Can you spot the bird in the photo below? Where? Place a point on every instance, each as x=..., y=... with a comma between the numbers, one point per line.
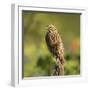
x=55, y=46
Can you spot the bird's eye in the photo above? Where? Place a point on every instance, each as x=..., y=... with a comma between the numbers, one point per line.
x=49, y=27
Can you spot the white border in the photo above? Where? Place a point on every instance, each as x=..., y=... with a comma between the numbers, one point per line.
x=16, y=77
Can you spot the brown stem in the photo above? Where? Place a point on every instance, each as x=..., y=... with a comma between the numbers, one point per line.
x=59, y=69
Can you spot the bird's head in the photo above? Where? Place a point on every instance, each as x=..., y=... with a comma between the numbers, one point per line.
x=51, y=28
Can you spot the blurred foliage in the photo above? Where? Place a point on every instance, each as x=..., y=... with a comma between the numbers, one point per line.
x=37, y=59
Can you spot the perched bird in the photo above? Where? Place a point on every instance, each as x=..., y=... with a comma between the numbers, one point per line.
x=55, y=46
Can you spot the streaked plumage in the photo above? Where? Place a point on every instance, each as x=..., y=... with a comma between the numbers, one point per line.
x=54, y=43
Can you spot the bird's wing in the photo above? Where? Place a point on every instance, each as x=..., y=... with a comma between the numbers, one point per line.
x=53, y=38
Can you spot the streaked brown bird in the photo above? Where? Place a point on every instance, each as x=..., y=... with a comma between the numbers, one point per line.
x=55, y=46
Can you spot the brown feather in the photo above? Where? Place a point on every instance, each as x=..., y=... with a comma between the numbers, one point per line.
x=54, y=43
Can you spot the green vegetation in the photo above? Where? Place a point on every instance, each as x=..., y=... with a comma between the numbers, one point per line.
x=37, y=60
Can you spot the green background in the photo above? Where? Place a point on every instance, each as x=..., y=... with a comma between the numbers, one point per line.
x=37, y=60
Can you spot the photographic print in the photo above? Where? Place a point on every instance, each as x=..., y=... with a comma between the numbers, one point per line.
x=47, y=43
x=50, y=43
